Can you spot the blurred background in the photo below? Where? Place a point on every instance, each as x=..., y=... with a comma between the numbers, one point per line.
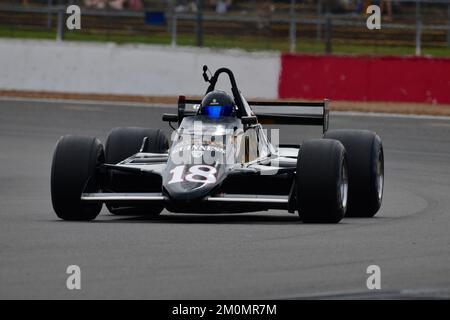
x=409, y=27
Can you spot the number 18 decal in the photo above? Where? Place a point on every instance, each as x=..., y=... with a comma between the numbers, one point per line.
x=206, y=172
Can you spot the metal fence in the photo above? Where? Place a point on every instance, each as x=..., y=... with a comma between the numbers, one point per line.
x=290, y=25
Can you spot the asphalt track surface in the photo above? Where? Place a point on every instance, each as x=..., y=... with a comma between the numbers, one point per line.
x=246, y=256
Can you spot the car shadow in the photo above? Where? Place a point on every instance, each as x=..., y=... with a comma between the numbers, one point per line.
x=205, y=219
x=236, y=218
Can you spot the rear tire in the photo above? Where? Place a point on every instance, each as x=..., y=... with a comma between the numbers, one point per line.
x=122, y=143
x=365, y=170
x=321, y=181
x=74, y=162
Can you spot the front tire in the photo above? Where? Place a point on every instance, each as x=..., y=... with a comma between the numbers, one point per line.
x=365, y=170
x=74, y=162
x=322, y=182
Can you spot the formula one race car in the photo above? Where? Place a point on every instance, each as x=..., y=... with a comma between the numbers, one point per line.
x=221, y=161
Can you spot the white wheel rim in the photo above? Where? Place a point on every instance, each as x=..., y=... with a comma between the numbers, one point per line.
x=343, y=188
x=380, y=176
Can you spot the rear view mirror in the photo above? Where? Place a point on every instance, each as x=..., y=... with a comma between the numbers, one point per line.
x=169, y=117
x=249, y=120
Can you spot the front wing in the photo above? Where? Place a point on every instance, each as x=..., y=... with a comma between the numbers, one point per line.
x=270, y=187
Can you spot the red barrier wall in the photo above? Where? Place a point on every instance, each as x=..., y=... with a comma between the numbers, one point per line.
x=400, y=79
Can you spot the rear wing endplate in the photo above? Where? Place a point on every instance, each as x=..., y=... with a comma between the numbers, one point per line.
x=187, y=107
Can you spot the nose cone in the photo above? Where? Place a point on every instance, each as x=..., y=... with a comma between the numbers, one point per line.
x=192, y=182
x=188, y=191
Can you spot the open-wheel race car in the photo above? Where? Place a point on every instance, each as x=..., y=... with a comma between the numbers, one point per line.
x=221, y=161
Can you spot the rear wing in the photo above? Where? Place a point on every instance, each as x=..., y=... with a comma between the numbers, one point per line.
x=297, y=113
x=273, y=112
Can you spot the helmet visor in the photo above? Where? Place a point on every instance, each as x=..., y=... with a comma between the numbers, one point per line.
x=217, y=111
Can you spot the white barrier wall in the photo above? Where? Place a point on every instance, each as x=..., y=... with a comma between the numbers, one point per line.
x=79, y=67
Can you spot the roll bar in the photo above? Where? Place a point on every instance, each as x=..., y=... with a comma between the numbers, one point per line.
x=234, y=88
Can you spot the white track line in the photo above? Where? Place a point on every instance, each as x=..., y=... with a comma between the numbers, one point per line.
x=142, y=104
x=390, y=115
x=86, y=102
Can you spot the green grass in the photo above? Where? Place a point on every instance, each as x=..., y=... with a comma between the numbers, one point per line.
x=250, y=43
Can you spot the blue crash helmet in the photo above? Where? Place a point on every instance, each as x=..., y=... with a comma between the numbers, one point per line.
x=218, y=104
